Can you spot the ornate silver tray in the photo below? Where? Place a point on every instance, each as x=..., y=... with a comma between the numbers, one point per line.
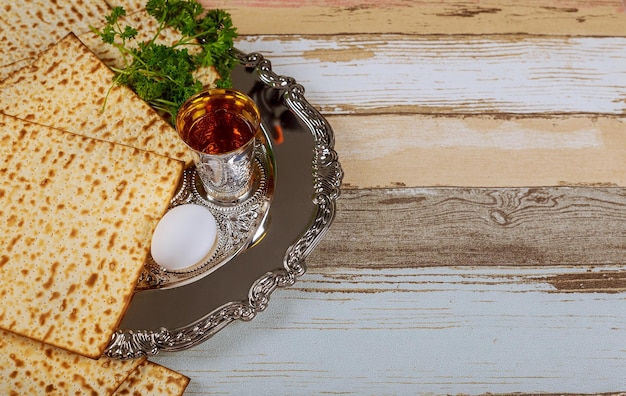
x=301, y=182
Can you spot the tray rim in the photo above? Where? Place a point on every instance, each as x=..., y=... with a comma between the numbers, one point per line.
x=327, y=178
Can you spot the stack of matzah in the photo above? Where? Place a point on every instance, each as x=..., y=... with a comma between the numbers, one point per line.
x=80, y=194
x=28, y=367
x=43, y=23
x=28, y=27
x=77, y=220
x=77, y=215
x=66, y=87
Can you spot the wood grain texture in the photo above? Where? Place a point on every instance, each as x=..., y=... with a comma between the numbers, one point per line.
x=391, y=73
x=392, y=150
x=560, y=17
x=410, y=331
x=417, y=227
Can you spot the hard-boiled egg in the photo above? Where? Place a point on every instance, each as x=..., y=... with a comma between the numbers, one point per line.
x=184, y=236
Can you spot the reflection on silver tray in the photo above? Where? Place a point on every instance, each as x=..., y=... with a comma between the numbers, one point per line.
x=174, y=311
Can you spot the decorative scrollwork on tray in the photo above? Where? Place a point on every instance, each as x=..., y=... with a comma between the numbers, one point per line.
x=132, y=345
x=328, y=175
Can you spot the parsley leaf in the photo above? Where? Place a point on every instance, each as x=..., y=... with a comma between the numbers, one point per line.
x=163, y=75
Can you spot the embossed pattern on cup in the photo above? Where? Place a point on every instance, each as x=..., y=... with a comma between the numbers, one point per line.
x=220, y=126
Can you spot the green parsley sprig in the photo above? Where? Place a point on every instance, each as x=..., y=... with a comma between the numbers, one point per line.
x=162, y=75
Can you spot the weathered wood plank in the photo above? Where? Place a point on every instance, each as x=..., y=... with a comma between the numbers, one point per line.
x=452, y=74
x=389, y=150
x=495, y=75
x=420, y=227
x=418, y=331
x=571, y=17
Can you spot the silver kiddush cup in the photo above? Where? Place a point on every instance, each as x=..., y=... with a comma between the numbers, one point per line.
x=220, y=127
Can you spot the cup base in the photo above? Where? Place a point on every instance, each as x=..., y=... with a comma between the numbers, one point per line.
x=255, y=183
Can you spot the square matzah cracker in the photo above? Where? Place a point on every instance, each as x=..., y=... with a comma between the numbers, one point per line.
x=29, y=367
x=77, y=215
x=66, y=87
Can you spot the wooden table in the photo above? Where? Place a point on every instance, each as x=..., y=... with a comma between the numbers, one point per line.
x=480, y=238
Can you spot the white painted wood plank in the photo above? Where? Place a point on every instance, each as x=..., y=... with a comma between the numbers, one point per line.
x=452, y=74
x=416, y=331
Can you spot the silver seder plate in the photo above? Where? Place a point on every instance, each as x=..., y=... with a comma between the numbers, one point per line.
x=263, y=241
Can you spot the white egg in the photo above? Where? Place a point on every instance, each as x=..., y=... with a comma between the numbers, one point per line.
x=184, y=237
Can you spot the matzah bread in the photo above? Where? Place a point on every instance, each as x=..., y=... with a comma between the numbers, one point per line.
x=77, y=215
x=6, y=70
x=28, y=27
x=129, y=5
x=154, y=380
x=66, y=87
x=29, y=367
